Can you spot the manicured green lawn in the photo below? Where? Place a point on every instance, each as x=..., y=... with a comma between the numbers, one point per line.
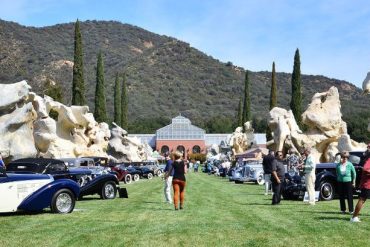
x=217, y=213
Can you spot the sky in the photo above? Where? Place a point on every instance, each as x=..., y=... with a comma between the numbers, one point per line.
x=333, y=36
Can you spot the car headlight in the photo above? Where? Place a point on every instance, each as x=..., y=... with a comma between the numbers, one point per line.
x=252, y=169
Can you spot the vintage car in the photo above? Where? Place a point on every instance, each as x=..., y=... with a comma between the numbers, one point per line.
x=122, y=173
x=106, y=185
x=294, y=186
x=251, y=170
x=34, y=192
x=87, y=163
x=145, y=172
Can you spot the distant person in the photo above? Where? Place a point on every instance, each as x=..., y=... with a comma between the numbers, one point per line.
x=277, y=176
x=309, y=167
x=364, y=185
x=168, y=179
x=196, y=166
x=179, y=180
x=292, y=160
x=346, y=181
x=1, y=161
x=267, y=166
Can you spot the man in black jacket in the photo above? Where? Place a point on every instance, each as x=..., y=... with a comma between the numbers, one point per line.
x=277, y=176
x=267, y=165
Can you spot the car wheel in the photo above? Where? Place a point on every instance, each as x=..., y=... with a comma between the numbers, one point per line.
x=108, y=191
x=136, y=177
x=128, y=179
x=63, y=202
x=326, y=190
x=150, y=175
x=238, y=182
x=159, y=173
x=260, y=179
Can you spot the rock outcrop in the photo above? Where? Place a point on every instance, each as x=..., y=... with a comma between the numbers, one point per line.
x=326, y=133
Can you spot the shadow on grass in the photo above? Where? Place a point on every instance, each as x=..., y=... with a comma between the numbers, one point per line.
x=329, y=212
x=332, y=218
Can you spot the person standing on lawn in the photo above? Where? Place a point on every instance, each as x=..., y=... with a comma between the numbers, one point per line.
x=346, y=179
x=309, y=167
x=267, y=165
x=364, y=186
x=277, y=176
x=179, y=180
x=168, y=179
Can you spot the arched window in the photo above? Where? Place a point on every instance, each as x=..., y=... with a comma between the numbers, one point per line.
x=165, y=150
x=181, y=149
x=196, y=149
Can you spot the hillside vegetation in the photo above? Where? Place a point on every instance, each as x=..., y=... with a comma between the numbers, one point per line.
x=165, y=76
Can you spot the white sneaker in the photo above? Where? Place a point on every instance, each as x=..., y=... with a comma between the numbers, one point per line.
x=355, y=219
x=266, y=194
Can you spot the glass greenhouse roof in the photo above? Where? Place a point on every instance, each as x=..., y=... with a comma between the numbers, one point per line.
x=180, y=129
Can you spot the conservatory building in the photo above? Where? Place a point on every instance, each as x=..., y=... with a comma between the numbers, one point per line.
x=180, y=135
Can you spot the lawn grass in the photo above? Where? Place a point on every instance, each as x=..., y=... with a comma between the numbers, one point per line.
x=217, y=213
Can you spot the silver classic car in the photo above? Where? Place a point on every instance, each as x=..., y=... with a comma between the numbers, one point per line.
x=250, y=170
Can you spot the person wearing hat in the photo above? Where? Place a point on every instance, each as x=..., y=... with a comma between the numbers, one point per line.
x=168, y=180
x=364, y=186
x=179, y=180
x=346, y=179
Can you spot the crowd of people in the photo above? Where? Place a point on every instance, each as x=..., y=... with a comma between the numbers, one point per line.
x=274, y=172
x=275, y=166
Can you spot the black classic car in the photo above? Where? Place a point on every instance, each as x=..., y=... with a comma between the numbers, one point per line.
x=106, y=185
x=294, y=185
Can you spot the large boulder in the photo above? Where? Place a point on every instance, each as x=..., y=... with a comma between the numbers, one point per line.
x=16, y=121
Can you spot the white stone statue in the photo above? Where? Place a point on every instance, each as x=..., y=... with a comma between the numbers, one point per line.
x=366, y=84
x=240, y=141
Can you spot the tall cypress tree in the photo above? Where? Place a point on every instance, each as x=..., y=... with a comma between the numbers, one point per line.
x=247, y=100
x=240, y=113
x=100, y=112
x=78, y=84
x=273, y=96
x=117, y=101
x=124, y=104
x=296, y=101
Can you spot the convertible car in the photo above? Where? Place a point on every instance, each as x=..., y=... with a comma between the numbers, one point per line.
x=105, y=185
x=34, y=192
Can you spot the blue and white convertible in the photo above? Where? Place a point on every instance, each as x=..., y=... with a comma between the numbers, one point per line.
x=34, y=192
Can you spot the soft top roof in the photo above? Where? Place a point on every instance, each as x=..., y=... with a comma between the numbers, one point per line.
x=38, y=161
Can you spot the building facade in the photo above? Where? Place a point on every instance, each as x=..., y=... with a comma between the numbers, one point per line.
x=180, y=135
x=183, y=136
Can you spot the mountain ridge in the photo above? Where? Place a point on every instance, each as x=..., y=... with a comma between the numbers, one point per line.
x=165, y=76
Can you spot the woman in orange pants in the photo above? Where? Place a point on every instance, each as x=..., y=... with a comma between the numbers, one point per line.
x=179, y=180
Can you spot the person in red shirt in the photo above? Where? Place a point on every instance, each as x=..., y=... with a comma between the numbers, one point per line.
x=364, y=186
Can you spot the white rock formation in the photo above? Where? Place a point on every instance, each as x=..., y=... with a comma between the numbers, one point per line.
x=127, y=149
x=366, y=84
x=16, y=120
x=327, y=132
x=27, y=130
x=240, y=141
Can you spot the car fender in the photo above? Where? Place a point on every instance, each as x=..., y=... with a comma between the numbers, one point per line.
x=42, y=197
x=324, y=175
x=96, y=185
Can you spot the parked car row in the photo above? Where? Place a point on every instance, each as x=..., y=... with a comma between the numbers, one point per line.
x=134, y=171
x=35, y=183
